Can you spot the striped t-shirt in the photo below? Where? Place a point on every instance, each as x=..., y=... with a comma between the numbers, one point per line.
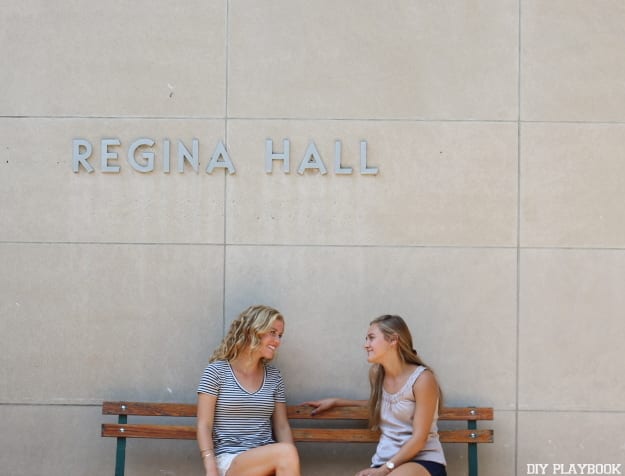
x=242, y=419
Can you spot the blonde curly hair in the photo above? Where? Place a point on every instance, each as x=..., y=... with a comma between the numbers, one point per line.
x=245, y=331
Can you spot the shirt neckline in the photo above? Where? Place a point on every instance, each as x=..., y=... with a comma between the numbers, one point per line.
x=241, y=386
x=403, y=387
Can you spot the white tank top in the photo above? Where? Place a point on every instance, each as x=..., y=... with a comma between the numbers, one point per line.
x=396, y=415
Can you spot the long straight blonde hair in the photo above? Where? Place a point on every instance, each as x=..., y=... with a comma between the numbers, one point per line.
x=245, y=331
x=392, y=326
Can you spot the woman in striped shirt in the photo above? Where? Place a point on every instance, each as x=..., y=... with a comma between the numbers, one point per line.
x=242, y=402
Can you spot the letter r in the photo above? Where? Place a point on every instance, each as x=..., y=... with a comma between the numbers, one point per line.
x=80, y=158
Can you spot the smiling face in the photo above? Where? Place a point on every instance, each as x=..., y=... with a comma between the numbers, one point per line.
x=376, y=345
x=271, y=340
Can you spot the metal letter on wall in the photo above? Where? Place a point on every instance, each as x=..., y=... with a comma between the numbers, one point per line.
x=312, y=160
x=225, y=162
x=364, y=169
x=105, y=156
x=147, y=155
x=80, y=158
x=270, y=156
x=338, y=168
x=192, y=157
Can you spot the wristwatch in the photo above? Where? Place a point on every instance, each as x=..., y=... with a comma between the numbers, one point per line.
x=390, y=465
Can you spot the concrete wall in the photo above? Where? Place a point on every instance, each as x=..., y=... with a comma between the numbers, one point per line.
x=495, y=225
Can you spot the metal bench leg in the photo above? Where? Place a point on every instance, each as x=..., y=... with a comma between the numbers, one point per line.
x=472, y=425
x=120, y=454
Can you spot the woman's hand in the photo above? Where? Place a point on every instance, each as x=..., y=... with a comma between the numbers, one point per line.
x=212, y=472
x=210, y=466
x=321, y=405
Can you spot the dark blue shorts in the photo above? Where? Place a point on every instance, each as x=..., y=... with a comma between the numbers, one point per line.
x=435, y=469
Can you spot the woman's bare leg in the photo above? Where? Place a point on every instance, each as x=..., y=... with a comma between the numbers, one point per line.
x=280, y=459
x=410, y=469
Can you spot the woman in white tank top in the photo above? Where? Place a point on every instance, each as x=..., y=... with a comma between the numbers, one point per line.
x=403, y=405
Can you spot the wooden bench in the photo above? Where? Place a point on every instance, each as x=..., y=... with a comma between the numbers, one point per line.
x=339, y=425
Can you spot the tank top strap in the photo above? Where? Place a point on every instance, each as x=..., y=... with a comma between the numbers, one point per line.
x=413, y=378
x=405, y=392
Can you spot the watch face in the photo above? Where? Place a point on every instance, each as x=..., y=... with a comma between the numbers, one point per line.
x=390, y=465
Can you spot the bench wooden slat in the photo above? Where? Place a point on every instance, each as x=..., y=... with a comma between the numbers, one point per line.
x=465, y=413
x=335, y=435
x=466, y=436
x=303, y=412
x=149, y=409
x=295, y=412
x=362, y=435
x=327, y=435
x=137, y=430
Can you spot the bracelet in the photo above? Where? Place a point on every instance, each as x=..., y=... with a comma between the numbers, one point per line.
x=208, y=451
x=208, y=455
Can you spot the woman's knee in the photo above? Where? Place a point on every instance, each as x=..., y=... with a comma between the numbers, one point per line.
x=288, y=455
